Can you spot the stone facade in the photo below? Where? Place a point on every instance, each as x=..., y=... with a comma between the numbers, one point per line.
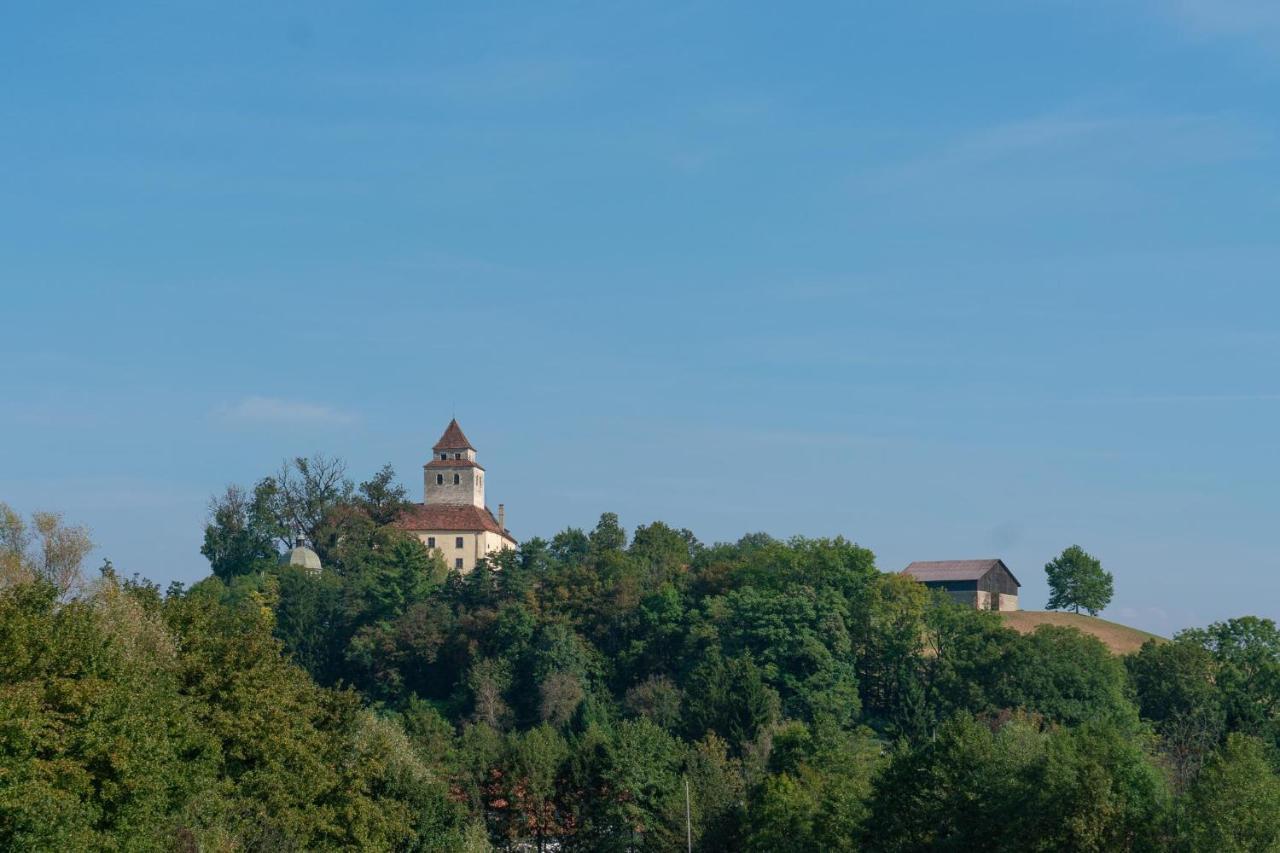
x=984, y=600
x=453, y=477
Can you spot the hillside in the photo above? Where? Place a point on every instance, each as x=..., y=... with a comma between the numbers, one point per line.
x=1121, y=639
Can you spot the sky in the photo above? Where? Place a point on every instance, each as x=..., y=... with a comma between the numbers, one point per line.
x=948, y=279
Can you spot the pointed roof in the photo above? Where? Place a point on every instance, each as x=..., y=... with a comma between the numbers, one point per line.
x=453, y=439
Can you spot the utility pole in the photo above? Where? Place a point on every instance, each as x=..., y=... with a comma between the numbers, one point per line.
x=688, y=820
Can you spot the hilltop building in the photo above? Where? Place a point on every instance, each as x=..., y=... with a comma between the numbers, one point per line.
x=981, y=584
x=453, y=518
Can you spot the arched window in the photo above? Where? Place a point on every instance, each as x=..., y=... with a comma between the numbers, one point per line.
x=457, y=478
x=439, y=479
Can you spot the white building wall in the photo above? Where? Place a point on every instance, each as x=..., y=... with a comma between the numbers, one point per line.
x=475, y=546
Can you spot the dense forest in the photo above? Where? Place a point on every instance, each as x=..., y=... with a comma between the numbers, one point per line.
x=593, y=691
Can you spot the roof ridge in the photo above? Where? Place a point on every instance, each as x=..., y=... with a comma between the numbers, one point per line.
x=441, y=516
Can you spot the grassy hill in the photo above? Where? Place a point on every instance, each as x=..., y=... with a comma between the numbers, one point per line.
x=1121, y=639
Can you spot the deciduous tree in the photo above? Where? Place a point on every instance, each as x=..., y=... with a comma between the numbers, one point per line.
x=1078, y=581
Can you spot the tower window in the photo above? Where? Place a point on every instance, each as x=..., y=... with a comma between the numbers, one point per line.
x=457, y=543
x=444, y=456
x=439, y=479
x=431, y=541
x=457, y=478
x=457, y=456
x=457, y=564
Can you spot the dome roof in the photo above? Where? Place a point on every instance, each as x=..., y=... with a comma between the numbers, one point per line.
x=302, y=557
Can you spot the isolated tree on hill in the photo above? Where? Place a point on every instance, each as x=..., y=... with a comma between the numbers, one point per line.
x=1078, y=581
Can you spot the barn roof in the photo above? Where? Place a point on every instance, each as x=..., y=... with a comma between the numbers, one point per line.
x=954, y=570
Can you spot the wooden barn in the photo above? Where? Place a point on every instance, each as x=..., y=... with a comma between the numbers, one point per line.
x=981, y=584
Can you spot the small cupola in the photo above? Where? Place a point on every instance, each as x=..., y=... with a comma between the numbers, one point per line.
x=301, y=556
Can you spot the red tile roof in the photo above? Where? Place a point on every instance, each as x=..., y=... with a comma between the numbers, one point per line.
x=453, y=439
x=953, y=570
x=450, y=517
x=453, y=463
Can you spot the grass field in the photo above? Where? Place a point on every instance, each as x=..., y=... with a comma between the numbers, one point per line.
x=1121, y=639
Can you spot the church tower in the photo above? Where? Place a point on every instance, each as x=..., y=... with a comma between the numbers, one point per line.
x=453, y=476
x=452, y=519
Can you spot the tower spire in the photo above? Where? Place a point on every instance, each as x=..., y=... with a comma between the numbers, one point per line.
x=453, y=476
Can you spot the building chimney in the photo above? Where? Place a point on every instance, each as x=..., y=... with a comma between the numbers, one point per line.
x=502, y=517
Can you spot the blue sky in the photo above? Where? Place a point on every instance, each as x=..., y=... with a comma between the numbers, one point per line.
x=949, y=279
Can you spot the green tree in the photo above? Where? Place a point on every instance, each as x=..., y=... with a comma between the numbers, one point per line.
x=241, y=535
x=309, y=620
x=730, y=699
x=381, y=497
x=97, y=747
x=1177, y=690
x=570, y=545
x=1234, y=804
x=631, y=792
x=1015, y=786
x=801, y=642
x=888, y=634
x=608, y=535
x=816, y=796
x=717, y=793
x=1246, y=652
x=1078, y=581
x=1066, y=675
x=527, y=788
x=782, y=816
x=667, y=552
x=298, y=766
x=303, y=494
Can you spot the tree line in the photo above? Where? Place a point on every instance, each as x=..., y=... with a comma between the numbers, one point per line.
x=562, y=696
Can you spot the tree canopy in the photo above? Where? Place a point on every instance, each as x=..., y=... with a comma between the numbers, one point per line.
x=1078, y=581
x=562, y=695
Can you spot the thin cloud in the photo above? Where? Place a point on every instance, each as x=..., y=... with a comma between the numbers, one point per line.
x=1213, y=18
x=499, y=79
x=1088, y=142
x=1258, y=397
x=276, y=411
